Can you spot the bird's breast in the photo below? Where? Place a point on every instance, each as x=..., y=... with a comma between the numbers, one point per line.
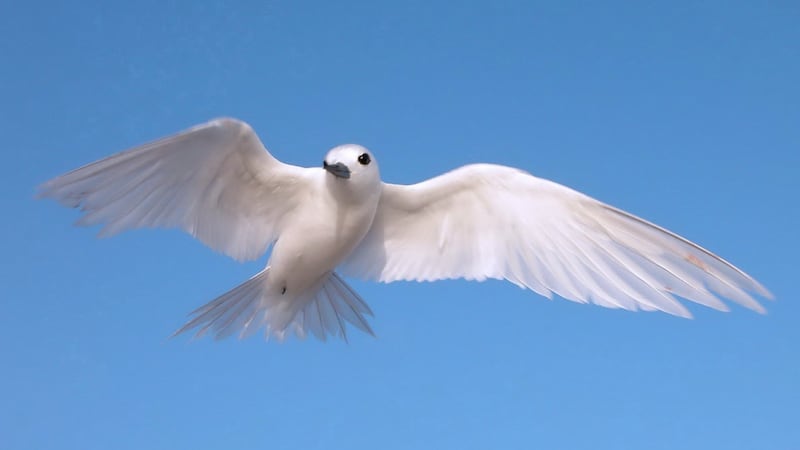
x=316, y=239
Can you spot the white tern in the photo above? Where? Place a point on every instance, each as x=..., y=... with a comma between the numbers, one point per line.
x=219, y=183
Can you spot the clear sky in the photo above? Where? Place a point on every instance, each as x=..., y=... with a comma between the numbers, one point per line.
x=686, y=113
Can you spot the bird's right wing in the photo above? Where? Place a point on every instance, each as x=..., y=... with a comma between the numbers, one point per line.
x=486, y=221
x=216, y=181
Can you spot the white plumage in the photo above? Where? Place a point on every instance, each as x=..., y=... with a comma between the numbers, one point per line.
x=217, y=182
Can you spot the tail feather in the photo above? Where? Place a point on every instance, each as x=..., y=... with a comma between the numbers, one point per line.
x=353, y=308
x=323, y=310
x=335, y=304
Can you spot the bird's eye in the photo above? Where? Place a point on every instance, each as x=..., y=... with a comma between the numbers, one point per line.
x=364, y=159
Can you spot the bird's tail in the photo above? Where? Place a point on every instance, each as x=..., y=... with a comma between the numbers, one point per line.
x=247, y=308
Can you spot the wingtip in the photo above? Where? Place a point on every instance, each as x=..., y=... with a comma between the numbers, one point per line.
x=764, y=292
x=759, y=308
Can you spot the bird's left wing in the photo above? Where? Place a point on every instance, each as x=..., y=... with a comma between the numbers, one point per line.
x=487, y=221
x=216, y=181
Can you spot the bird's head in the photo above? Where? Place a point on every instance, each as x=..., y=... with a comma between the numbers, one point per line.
x=352, y=164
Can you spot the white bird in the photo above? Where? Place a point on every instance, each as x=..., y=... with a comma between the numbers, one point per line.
x=217, y=182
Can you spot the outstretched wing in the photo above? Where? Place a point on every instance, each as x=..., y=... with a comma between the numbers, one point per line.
x=486, y=221
x=216, y=181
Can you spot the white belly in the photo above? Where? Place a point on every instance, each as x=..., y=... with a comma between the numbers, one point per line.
x=316, y=239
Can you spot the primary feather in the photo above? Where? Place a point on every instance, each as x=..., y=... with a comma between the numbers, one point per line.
x=487, y=221
x=216, y=181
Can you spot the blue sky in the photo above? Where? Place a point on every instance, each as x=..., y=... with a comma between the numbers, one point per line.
x=685, y=113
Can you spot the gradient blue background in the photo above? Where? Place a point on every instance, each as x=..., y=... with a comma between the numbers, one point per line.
x=685, y=113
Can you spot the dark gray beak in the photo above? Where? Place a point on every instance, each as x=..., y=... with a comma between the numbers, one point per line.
x=338, y=170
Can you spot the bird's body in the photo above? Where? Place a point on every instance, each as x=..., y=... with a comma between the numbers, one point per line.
x=320, y=232
x=218, y=182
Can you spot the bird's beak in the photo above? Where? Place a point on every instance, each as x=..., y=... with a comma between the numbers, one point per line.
x=338, y=170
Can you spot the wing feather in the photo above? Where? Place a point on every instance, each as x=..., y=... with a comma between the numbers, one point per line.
x=486, y=221
x=216, y=181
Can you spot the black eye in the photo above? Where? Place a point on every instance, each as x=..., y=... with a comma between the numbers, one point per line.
x=364, y=159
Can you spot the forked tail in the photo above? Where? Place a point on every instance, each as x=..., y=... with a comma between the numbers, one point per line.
x=249, y=307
